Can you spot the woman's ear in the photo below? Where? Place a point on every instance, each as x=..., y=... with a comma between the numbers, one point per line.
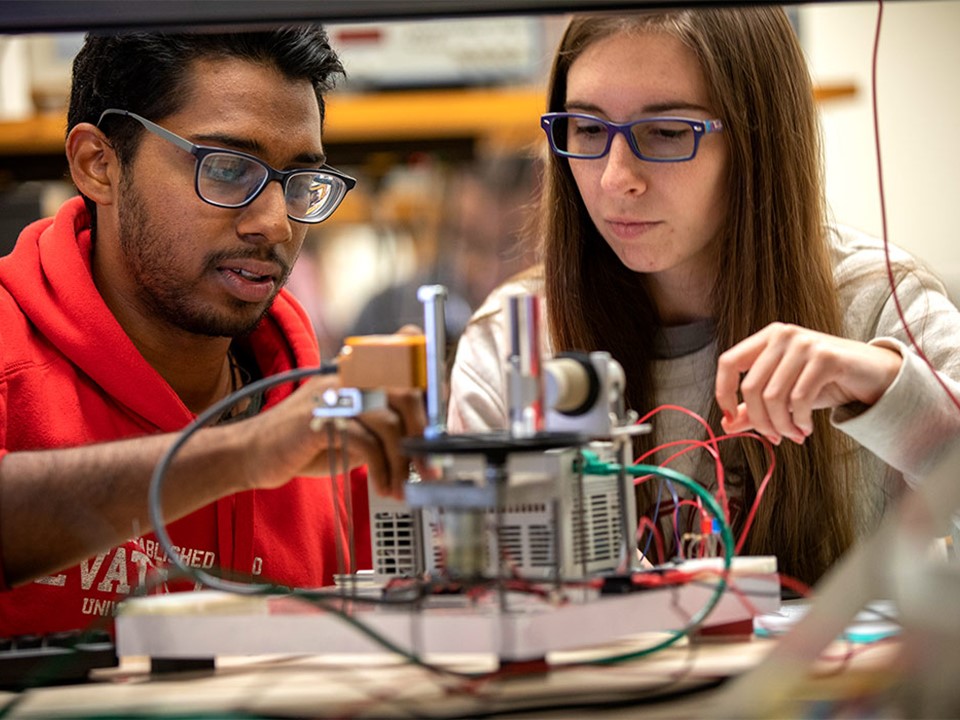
x=94, y=165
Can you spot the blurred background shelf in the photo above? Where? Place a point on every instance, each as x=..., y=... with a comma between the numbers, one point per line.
x=438, y=121
x=500, y=114
x=445, y=176
x=505, y=117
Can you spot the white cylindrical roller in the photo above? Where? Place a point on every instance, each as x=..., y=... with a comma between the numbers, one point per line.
x=568, y=384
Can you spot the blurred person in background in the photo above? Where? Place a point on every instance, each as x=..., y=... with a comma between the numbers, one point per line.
x=483, y=211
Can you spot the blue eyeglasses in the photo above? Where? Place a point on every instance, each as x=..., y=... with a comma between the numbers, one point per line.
x=232, y=179
x=658, y=139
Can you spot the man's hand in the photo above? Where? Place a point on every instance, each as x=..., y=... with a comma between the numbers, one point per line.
x=284, y=445
x=785, y=372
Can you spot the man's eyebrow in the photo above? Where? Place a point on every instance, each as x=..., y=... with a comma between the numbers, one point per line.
x=668, y=106
x=255, y=148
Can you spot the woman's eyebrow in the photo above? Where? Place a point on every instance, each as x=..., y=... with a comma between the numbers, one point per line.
x=651, y=109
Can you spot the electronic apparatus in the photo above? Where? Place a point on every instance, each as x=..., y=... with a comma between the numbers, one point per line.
x=525, y=544
x=885, y=564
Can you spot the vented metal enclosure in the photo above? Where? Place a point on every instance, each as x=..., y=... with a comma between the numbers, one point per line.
x=551, y=520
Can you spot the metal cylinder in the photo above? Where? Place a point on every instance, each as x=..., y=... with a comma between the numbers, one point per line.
x=465, y=542
x=434, y=298
x=524, y=381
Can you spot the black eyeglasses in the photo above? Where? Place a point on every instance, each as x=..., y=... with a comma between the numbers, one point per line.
x=657, y=139
x=232, y=179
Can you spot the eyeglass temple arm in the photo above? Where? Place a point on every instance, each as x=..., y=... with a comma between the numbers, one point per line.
x=710, y=126
x=152, y=127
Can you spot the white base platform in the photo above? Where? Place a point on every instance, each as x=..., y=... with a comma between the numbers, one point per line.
x=210, y=624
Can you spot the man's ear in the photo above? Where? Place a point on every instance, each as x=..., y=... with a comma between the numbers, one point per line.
x=94, y=165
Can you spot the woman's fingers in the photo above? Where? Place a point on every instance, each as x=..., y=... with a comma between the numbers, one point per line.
x=773, y=380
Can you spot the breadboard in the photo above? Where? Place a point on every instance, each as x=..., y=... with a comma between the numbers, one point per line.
x=209, y=624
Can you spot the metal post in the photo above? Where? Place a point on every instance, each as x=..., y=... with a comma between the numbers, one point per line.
x=433, y=298
x=525, y=387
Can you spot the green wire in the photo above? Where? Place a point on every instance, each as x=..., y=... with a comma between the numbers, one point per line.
x=593, y=466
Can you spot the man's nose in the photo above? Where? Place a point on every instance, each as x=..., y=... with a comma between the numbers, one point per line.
x=266, y=217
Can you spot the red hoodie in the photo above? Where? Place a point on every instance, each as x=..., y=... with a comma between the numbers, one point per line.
x=69, y=376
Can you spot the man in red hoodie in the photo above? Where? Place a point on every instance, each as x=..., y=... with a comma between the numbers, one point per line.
x=152, y=296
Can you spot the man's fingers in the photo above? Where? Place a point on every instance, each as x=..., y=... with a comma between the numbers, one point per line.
x=375, y=437
x=409, y=406
x=385, y=431
x=363, y=446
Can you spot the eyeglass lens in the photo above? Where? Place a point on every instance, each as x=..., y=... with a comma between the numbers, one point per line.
x=231, y=180
x=655, y=139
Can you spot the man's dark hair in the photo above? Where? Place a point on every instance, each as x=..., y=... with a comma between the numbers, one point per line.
x=147, y=73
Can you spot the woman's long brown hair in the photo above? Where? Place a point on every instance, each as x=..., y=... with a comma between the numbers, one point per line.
x=774, y=261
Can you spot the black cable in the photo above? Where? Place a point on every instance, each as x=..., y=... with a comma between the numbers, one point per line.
x=154, y=498
x=317, y=596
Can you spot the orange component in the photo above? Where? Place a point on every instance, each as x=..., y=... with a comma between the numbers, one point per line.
x=383, y=361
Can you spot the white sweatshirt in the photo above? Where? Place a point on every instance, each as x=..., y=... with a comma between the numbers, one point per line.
x=901, y=436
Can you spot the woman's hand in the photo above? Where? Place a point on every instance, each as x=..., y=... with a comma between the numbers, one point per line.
x=785, y=372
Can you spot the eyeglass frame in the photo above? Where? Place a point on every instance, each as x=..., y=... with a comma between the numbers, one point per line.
x=199, y=152
x=699, y=128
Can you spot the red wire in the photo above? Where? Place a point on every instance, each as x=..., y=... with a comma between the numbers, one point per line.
x=721, y=493
x=642, y=479
x=798, y=586
x=761, y=489
x=883, y=213
x=691, y=444
x=692, y=503
x=711, y=447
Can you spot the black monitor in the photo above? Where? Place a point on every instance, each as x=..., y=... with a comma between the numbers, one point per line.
x=21, y=16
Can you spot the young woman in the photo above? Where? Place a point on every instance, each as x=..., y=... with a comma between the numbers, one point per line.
x=683, y=229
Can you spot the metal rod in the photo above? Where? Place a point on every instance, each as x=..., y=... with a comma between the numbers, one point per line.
x=348, y=506
x=434, y=298
x=337, y=521
x=628, y=522
x=525, y=387
x=496, y=473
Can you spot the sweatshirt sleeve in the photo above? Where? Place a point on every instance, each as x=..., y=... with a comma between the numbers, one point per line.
x=918, y=417
x=476, y=381
x=3, y=572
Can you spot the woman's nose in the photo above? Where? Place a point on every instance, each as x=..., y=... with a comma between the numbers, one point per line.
x=624, y=171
